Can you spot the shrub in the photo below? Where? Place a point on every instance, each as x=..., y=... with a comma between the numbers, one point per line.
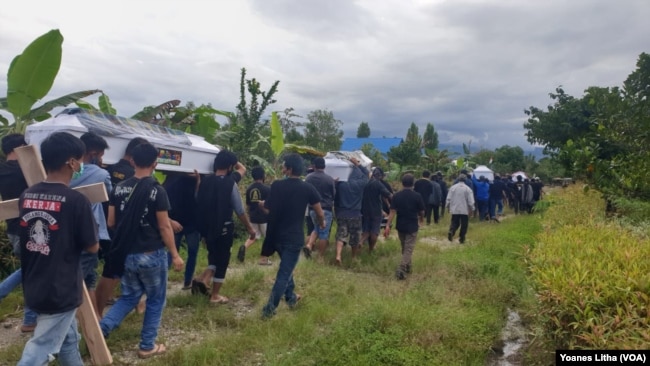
x=592, y=276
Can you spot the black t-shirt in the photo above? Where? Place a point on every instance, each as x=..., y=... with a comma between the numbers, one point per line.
x=424, y=188
x=373, y=192
x=12, y=184
x=181, y=191
x=120, y=171
x=408, y=205
x=57, y=224
x=255, y=193
x=286, y=203
x=148, y=238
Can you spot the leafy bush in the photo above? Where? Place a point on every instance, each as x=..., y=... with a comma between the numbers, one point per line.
x=8, y=262
x=592, y=276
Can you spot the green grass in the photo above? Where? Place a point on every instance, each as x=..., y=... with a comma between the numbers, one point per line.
x=450, y=310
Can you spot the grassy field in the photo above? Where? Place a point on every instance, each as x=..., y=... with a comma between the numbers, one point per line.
x=450, y=310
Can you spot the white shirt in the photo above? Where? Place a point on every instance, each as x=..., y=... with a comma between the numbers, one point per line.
x=460, y=199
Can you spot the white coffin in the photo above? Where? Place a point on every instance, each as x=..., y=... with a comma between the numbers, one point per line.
x=178, y=151
x=338, y=165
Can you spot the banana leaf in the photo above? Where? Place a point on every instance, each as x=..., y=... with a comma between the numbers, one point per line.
x=63, y=101
x=277, y=139
x=85, y=105
x=105, y=105
x=149, y=114
x=32, y=73
x=301, y=149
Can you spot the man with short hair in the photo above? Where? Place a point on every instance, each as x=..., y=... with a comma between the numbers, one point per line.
x=255, y=193
x=435, y=199
x=443, y=191
x=286, y=207
x=349, y=195
x=218, y=197
x=12, y=184
x=371, y=208
x=425, y=189
x=460, y=203
x=138, y=211
x=57, y=224
x=409, y=208
x=91, y=173
x=124, y=168
x=325, y=186
x=109, y=279
x=498, y=192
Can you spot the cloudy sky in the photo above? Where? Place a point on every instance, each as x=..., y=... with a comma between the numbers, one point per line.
x=470, y=67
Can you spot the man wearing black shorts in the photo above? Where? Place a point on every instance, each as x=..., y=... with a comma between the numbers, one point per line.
x=371, y=208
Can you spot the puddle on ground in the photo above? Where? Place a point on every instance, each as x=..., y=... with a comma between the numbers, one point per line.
x=513, y=338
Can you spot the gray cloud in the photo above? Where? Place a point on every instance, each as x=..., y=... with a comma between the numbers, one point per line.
x=469, y=67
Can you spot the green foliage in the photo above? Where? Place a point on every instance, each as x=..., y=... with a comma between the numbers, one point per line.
x=277, y=141
x=32, y=73
x=105, y=105
x=430, y=138
x=603, y=136
x=363, y=130
x=323, y=131
x=247, y=123
x=590, y=276
x=30, y=77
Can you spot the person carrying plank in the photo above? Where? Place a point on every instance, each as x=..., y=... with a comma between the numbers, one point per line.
x=56, y=225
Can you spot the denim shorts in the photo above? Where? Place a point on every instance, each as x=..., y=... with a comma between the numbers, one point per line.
x=323, y=234
x=89, y=262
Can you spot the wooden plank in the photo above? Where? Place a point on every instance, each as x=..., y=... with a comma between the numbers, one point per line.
x=32, y=168
x=30, y=163
x=99, y=352
x=95, y=192
x=9, y=209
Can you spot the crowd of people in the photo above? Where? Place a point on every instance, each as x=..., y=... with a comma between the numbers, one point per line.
x=61, y=237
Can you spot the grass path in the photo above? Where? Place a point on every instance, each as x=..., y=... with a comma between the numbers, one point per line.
x=450, y=311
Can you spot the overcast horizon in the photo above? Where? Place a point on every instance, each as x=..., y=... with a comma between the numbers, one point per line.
x=468, y=67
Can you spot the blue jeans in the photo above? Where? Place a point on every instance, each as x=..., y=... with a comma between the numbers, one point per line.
x=494, y=204
x=10, y=283
x=54, y=334
x=284, y=285
x=192, y=239
x=144, y=273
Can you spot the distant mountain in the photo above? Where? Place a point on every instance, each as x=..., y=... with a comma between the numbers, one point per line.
x=457, y=149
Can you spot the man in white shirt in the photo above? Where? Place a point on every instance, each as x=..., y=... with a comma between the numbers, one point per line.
x=460, y=203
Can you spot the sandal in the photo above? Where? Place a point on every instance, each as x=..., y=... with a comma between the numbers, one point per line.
x=265, y=262
x=295, y=302
x=219, y=300
x=307, y=252
x=158, y=349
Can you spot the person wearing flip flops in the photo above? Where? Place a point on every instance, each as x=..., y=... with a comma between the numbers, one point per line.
x=218, y=197
x=256, y=192
x=325, y=185
x=286, y=207
x=138, y=210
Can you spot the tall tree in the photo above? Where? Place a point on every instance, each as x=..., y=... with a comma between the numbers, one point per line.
x=413, y=133
x=364, y=130
x=430, y=138
x=287, y=120
x=323, y=131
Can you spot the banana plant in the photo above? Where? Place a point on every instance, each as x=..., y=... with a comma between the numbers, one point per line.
x=29, y=78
